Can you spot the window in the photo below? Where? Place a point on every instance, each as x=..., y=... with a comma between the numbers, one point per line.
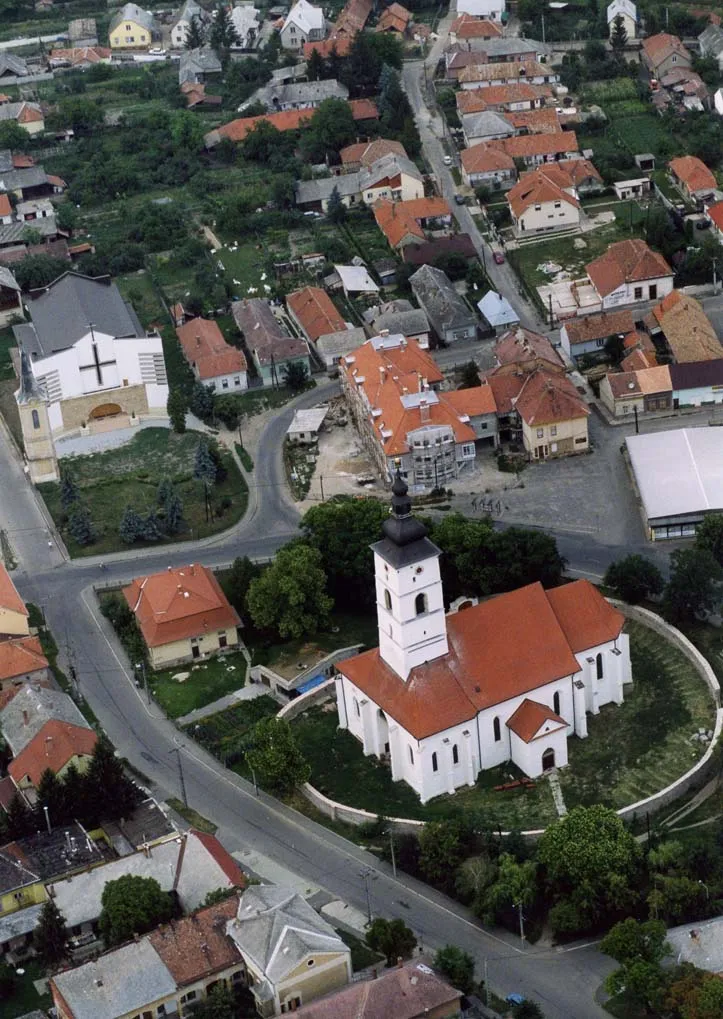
x=538, y=208
x=420, y=604
x=36, y=419
x=638, y=293
x=556, y=703
x=600, y=343
x=653, y=291
x=540, y=433
x=222, y=639
x=496, y=728
x=224, y=384
x=599, y=666
x=356, y=708
x=161, y=1009
x=387, y=599
x=435, y=766
x=581, y=442
x=455, y=754
x=553, y=430
x=309, y=962
x=411, y=756
x=558, y=205
x=236, y=380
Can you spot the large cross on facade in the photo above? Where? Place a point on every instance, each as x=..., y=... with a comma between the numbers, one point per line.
x=97, y=364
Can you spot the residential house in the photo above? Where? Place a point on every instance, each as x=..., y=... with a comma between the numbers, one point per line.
x=485, y=127
x=466, y=29
x=132, y=28
x=394, y=18
x=711, y=44
x=56, y=747
x=404, y=223
x=688, y=332
x=485, y=75
x=38, y=208
x=22, y=661
x=411, y=991
x=514, y=98
x=20, y=887
x=352, y=19
x=246, y=19
x=507, y=49
x=399, y=318
x=391, y=177
x=16, y=937
x=6, y=217
x=214, y=362
x=306, y=425
x=697, y=383
x=317, y=317
x=29, y=116
x=685, y=87
x=522, y=350
x=88, y=366
x=304, y=23
x=197, y=97
x=449, y=315
x=287, y=120
x=490, y=10
x=542, y=201
x=79, y=56
x=11, y=302
x=714, y=214
x=497, y=311
x=13, y=613
x=355, y=280
x=629, y=273
x=541, y=121
x=315, y=195
x=484, y=166
x=632, y=189
x=535, y=149
x=588, y=334
x=391, y=388
x=269, y=344
x=340, y=45
x=28, y=710
x=12, y=68
x=692, y=178
x=637, y=392
x=191, y=865
x=553, y=416
x=188, y=12
x=183, y=615
x=292, y=955
x=661, y=53
x=429, y=252
x=532, y=661
x=626, y=10
x=584, y=176
x=364, y=154
x=199, y=66
x=299, y=95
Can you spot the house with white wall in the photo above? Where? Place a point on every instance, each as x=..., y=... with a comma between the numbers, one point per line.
x=543, y=201
x=626, y=10
x=491, y=10
x=304, y=23
x=630, y=273
x=447, y=695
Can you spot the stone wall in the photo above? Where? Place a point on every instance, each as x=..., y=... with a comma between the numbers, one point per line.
x=129, y=398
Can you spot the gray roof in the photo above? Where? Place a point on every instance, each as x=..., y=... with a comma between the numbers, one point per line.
x=50, y=854
x=390, y=164
x=132, y=12
x=193, y=872
x=16, y=924
x=35, y=1014
x=15, y=233
x=29, y=385
x=29, y=710
x=199, y=61
x=117, y=983
x=191, y=10
x=497, y=309
x=302, y=93
x=678, y=472
x=711, y=40
x=444, y=307
x=263, y=333
x=289, y=73
x=408, y=322
x=503, y=46
x=16, y=180
x=7, y=279
x=12, y=66
x=6, y=160
x=336, y=344
x=10, y=111
x=487, y=124
x=13, y=874
x=277, y=929
x=308, y=191
x=65, y=311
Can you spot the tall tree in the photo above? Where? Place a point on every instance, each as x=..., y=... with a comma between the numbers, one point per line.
x=335, y=210
x=709, y=535
x=237, y=580
x=634, y=578
x=457, y=966
x=639, y=948
x=274, y=755
x=513, y=888
x=315, y=69
x=50, y=937
x=195, y=34
x=295, y=375
x=132, y=905
x=20, y=820
x=223, y=34
x=618, y=36
x=204, y=467
x=290, y=595
x=131, y=526
x=176, y=407
x=391, y=938
x=694, y=585
x=80, y=524
x=69, y=491
x=51, y=795
x=111, y=793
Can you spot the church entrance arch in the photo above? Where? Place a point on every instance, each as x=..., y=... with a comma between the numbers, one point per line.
x=105, y=410
x=548, y=760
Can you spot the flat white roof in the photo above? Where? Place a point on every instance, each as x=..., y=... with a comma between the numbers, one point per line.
x=356, y=278
x=679, y=471
x=307, y=420
x=497, y=309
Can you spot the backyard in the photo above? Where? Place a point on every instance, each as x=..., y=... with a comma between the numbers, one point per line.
x=110, y=481
x=25, y=997
x=223, y=733
x=200, y=684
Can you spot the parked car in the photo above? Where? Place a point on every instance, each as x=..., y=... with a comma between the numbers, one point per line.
x=460, y=200
x=447, y=160
x=499, y=257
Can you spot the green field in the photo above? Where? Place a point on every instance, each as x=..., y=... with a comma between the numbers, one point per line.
x=208, y=681
x=222, y=734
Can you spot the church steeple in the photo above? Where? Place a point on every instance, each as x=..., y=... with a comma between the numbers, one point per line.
x=410, y=600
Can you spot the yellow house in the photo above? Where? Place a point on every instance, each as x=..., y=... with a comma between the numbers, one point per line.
x=183, y=615
x=132, y=28
x=553, y=416
x=56, y=745
x=19, y=887
x=13, y=614
x=292, y=956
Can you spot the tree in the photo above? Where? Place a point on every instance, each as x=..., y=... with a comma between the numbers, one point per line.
x=527, y=1010
x=237, y=581
x=223, y=34
x=131, y=526
x=82, y=115
x=513, y=888
x=20, y=820
x=693, y=587
x=295, y=375
x=176, y=408
x=171, y=507
x=80, y=524
x=330, y=128
x=8, y=978
x=618, y=36
x=201, y=403
x=709, y=535
x=634, y=578
x=68, y=488
x=275, y=756
x=151, y=528
x=50, y=936
x=195, y=34
x=391, y=938
x=51, y=795
x=456, y=966
x=639, y=948
x=132, y=905
x=36, y=271
x=220, y=1003
x=335, y=210
x=12, y=136
x=315, y=69
x=614, y=348
x=442, y=847
x=469, y=376
x=111, y=794
x=290, y=595
x=204, y=468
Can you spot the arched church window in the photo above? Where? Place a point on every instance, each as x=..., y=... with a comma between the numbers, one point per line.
x=599, y=666
x=434, y=761
x=420, y=604
x=496, y=728
x=411, y=756
x=36, y=419
x=356, y=707
x=455, y=754
x=556, y=703
x=387, y=599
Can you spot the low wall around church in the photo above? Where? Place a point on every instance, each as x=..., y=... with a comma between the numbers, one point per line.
x=693, y=779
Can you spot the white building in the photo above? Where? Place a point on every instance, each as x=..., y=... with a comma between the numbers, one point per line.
x=490, y=9
x=444, y=697
x=629, y=272
x=544, y=200
x=304, y=23
x=188, y=12
x=247, y=21
x=627, y=11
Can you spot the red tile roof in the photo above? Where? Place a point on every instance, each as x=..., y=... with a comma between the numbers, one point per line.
x=325, y=47
x=549, y=398
x=53, y=747
x=367, y=153
x=204, y=345
x=506, y=389
x=399, y=221
x=530, y=717
x=628, y=261
x=525, y=145
x=316, y=312
x=472, y=28
x=509, y=69
x=222, y=857
x=520, y=346
x=8, y=790
x=6, y=208
x=364, y=109
x=693, y=173
x=196, y=947
x=9, y=597
x=179, y=603
x=394, y=18
x=539, y=187
x=20, y=656
x=482, y=158
x=474, y=401
x=290, y=120
x=658, y=48
x=545, y=121
x=506, y=646
x=579, y=170
x=352, y=18
x=585, y=328
x=497, y=95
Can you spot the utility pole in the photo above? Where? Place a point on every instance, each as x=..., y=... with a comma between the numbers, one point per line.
x=321, y=485
x=543, y=27
x=391, y=846
x=47, y=819
x=522, y=923
x=635, y=409
x=184, y=797
x=487, y=987
x=141, y=667
x=366, y=874
x=552, y=317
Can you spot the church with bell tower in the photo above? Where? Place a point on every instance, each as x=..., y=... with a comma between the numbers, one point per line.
x=447, y=694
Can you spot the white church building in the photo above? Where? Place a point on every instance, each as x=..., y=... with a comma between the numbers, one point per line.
x=445, y=696
x=94, y=368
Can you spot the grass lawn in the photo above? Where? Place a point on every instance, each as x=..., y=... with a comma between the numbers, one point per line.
x=642, y=746
x=7, y=340
x=256, y=401
x=291, y=657
x=138, y=288
x=208, y=681
x=130, y=475
x=26, y=998
x=221, y=733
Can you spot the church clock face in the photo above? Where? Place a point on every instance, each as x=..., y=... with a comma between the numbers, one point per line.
x=419, y=569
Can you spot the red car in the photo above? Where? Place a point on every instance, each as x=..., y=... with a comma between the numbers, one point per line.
x=498, y=257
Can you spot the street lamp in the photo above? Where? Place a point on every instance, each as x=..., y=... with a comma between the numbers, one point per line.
x=184, y=797
x=141, y=667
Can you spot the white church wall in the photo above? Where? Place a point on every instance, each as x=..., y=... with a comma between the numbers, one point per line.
x=528, y=756
x=157, y=396
x=604, y=672
x=496, y=752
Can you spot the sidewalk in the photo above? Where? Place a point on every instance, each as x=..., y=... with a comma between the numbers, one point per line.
x=246, y=693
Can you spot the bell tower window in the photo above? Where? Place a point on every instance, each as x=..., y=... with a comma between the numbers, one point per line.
x=387, y=600
x=420, y=604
